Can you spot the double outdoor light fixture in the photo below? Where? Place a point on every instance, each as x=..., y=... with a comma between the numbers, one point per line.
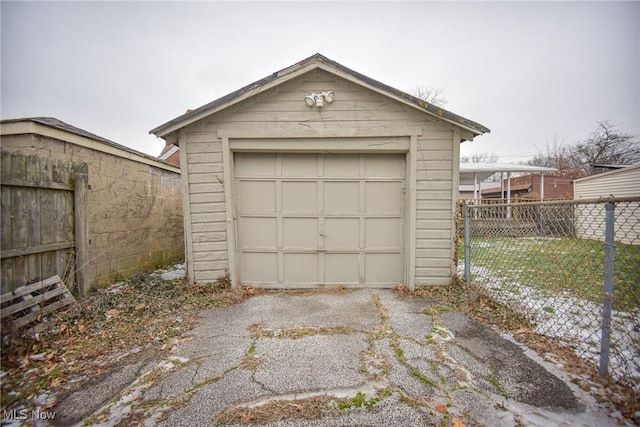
x=318, y=99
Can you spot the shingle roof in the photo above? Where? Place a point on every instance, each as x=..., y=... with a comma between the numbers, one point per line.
x=317, y=60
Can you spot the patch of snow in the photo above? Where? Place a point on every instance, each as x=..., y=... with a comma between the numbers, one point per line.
x=177, y=271
x=575, y=321
x=442, y=334
x=178, y=359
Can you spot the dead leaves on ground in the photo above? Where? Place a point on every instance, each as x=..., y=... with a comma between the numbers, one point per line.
x=79, y=343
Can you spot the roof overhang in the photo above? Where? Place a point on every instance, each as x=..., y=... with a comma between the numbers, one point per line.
x=470, y=173
x=317, y=61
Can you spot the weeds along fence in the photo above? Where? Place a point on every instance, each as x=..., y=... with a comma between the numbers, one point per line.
x=571, y=267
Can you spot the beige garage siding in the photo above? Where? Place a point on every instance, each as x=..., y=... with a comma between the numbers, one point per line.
x=206, y=201
x=434, y=216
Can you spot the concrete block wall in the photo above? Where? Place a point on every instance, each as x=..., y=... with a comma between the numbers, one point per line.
x=134, y=209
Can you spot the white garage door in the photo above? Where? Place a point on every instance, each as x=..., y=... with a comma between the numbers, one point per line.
x=320, y=219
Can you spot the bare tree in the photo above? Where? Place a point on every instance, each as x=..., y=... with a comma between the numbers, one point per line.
x=483, y=158
x=431, y=94
x=480, y=158
x=556, y=154
x=606, y=145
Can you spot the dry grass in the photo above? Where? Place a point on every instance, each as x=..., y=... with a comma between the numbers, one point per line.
x=311, y=408
x=258, y=331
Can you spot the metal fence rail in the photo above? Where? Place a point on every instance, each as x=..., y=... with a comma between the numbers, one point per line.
x=572, y=268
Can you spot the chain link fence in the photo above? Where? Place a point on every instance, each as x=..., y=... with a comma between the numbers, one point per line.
x=571, y=267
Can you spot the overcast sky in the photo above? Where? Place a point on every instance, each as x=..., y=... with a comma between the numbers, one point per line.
x=528, y=71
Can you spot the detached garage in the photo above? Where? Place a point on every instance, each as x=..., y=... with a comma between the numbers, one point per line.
x=319, y=176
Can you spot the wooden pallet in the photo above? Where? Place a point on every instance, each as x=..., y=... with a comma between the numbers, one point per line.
x=27, y=305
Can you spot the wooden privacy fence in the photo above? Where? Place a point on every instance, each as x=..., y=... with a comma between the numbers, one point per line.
x=43, y=221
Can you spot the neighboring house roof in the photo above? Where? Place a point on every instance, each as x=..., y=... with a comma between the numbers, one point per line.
x=606, y=174
x=170, y=153
x=603, y=166
x=23, y=126
x=482, y=171
x=485, y=185
x=313, y=62
x=514, y=187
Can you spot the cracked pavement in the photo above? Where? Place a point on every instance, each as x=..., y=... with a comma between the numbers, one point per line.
x=410, y=360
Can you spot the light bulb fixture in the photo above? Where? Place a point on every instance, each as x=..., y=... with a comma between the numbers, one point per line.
x=318, y=99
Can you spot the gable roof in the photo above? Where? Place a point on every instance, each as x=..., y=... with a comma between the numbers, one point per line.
x=302, y=67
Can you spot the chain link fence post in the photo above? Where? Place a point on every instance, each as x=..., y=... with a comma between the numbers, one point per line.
x=607, y=300
x=467, y=243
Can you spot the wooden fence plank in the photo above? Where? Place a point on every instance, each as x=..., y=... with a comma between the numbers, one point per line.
x=81, y=233
x=15, y=182
x=6, y=214
x=34, y=272
x=20, y=271
x=6, y=274
x=32, y=200
x=46, y=209
x=8, y=253
x=48, y=264
x=19, y=220
x=37, y=219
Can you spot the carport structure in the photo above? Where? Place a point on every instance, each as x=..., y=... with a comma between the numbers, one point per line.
x=475, y=173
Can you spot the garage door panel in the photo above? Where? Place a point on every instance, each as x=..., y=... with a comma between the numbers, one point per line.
x=259, y=267
x=341, y=197
x=342, y=233
x=256, y=164
x=299, y=197
x=383, y=197
x=301, y=268
x=382, y=165
x=341, y=165
x=383, y=267
x=342, y=268
x=383, y=233
x=299, y=165
x=258, y=232
x=256, y=197
x=300, y=233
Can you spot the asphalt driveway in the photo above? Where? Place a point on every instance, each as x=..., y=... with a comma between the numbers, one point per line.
x=363, y=357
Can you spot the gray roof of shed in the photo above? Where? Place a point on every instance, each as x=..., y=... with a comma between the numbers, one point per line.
x=256, y=87
x=59, y=124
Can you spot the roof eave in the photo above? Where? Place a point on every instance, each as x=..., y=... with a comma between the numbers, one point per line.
x=234, y=97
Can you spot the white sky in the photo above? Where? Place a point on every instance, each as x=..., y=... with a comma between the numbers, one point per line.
x=528, y=71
